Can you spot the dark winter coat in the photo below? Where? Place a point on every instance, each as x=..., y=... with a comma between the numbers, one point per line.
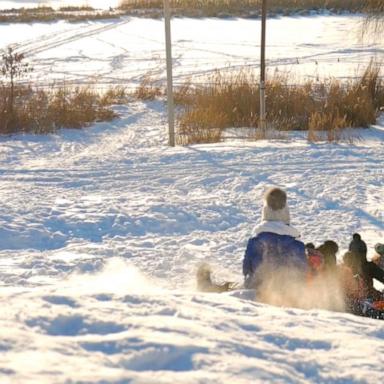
x=358, y=248
x=277, y=250
x=367, y=272
x=371, y=271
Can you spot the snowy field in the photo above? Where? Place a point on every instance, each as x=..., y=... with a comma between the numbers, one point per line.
x=124, y=51
x=101, y=230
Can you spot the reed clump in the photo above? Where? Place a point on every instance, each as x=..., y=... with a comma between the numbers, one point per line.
x=232, y=101
x=212, y=8
x=42, y=111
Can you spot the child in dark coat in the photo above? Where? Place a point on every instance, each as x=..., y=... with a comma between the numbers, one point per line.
x=358, y=247
x=356, y=259
x=274, y=246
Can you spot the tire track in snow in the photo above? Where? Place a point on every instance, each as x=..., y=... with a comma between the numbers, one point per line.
x=44, y=37
x=30, y=48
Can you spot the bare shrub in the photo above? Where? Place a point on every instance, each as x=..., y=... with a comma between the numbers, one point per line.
x=13, y=67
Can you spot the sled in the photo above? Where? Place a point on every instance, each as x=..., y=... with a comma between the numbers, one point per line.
x=205, y=283
x=372, y=309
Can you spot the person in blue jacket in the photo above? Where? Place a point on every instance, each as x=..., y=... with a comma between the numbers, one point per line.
x=275, y=246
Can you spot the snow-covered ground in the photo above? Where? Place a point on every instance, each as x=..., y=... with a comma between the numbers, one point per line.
x=125, y=51
x=101, y=230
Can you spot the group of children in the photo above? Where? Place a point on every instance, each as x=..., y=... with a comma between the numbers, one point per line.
x=355, y=274
x=276, y=262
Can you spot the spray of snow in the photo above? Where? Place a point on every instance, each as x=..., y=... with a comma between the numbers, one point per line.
x=117, y=276
x=285, y=287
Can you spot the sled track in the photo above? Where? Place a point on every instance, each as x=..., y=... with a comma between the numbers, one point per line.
x=30, y=48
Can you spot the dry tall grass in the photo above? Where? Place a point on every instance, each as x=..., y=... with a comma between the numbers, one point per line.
x=233, y=101
x=48, y=14
x=45, y=111
x=375, y=19
x=375, y=7
x=238, y=7
x=192, y=8
x=148, y=89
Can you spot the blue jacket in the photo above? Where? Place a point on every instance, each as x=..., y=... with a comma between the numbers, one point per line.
x=277, y=250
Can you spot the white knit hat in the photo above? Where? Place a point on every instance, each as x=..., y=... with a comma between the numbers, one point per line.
x=275, y=206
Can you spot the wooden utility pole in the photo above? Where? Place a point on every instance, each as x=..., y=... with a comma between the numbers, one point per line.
x=263, y=122
x=168, y=47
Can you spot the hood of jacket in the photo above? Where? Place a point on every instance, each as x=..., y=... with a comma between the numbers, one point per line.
x=277, y=227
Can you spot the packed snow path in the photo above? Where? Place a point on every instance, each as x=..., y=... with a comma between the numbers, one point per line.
x=101, y=231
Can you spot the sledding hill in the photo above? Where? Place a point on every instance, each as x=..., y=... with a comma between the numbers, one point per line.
x=101, y=231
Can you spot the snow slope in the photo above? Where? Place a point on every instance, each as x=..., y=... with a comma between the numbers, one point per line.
x=101, y=231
